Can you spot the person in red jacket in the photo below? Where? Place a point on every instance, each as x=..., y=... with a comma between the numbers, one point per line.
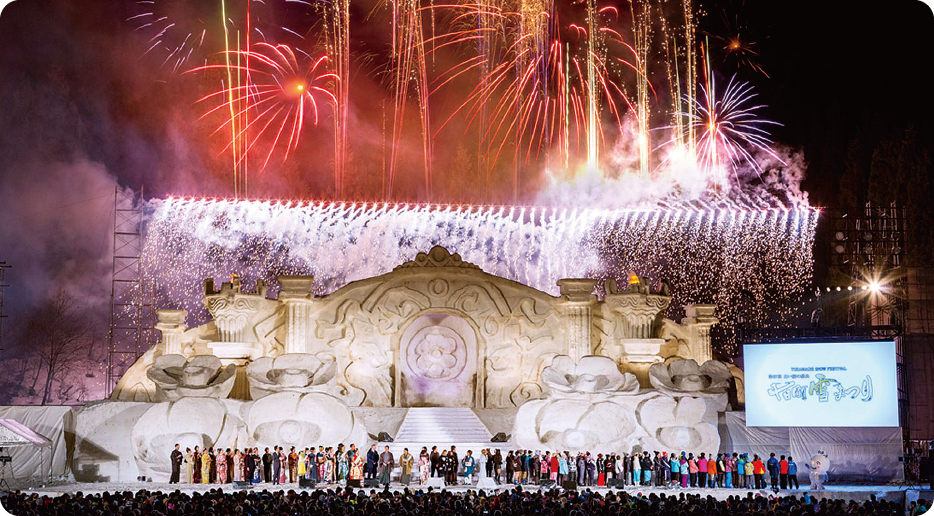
x=783, y=473
x=758, y=469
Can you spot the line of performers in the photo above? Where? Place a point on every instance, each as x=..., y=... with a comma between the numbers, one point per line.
x=276, y=466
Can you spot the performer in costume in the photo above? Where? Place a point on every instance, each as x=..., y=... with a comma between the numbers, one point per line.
x=356, y=466
x=469, y=463
x=205, y=467
x=221, y=467
x=189, y=466
x=424, y=465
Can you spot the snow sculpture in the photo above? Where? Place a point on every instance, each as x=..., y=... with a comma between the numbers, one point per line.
x=200, y=421
x=818, y=466
x=294, y=372
x=291, y=410
x=677, y=424
x=583, y=401
x=203, y=376
x=683, y=377
x=586, y=399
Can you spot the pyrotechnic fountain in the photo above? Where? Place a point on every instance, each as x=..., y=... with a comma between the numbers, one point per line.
x=709, y=252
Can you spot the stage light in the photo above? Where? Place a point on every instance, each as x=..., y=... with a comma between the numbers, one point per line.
x=838, y=289
x=874, y=286
x=849, y=288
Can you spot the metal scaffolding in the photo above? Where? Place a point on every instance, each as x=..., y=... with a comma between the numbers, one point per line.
x=3, y=267
x=131, y=314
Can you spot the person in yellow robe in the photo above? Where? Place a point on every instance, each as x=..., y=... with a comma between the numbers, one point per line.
x=205, y=468
x=301, y=462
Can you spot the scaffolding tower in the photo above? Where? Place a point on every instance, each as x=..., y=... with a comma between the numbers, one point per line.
x=3, y=285
x=131, y=313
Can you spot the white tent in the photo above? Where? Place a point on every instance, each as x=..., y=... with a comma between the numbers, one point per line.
x=15, y=434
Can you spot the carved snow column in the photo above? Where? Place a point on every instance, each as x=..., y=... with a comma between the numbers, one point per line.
x=699, y=318
x=232, y=311
x=577, y=300
x=297, y=297
x=172, y=325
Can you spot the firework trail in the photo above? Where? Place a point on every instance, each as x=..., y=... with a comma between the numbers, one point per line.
x=175, y=30
x=282, y=90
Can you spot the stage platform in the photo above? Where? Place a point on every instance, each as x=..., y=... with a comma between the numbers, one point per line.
x=898, y=493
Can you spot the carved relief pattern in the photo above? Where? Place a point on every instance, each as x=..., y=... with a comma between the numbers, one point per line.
x=437, y=352
x=231, y=315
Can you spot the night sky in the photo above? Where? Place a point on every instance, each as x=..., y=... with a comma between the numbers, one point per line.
x=82, y=111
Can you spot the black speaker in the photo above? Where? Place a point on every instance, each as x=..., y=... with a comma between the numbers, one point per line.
x=354, y=483
x=547, y=483
x=306, y=483
x=371, y=482
x=241, y=484
x=569, y=485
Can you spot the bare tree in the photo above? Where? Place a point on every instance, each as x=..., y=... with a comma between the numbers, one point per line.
x=58, y=333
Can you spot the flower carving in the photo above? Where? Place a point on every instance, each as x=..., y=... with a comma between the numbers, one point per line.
x=296, y=372
x=594, y=375
x=684, y=376
x=437, y=353
x=203, y=376
x=678, y=424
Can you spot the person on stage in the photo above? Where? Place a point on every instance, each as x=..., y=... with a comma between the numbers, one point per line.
x=783, y=473
x=343, y=463
x=469, y=463
x=386, y=463
x=276, y=464
x=293, y=465
x=407, y=461
x=356, y=464
x=221, y=460
x=206, y=467
x=372, y=460
x=773, y=470
x=424, y=466
x=189, y=466
x=792, y=473
x=176, y=458
x=267, y=465
x=435, y=459
x=283, y=465
x=758, y=471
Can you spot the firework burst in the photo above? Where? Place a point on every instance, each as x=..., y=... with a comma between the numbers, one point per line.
x=729, y=129
x=282, y=91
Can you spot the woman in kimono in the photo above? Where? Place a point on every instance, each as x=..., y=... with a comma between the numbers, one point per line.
x=238, y=466
x=343, y=465
x=356, y=466
x=284, y=468
x=424, y=465
x=189, y=466
x=196, y=466
x=257, y=470
x=469, y=464
x=302, y=466
x=221, y=467
x=205, y=467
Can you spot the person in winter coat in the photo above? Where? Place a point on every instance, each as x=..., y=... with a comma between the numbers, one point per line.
x=773, y=470
x=758, y=471
x=702, y=471
x=792, y=473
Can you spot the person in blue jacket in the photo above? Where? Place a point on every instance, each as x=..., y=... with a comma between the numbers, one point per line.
x=772, y=466
x=792, y=473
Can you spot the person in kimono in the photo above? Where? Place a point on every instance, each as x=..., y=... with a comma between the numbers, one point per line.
x=343, y=465
x=469, y=463
x=293, y=465
x=356, y=464
x=386, y=463
x=407, y=461
x=222, y=467
x=283, y=465
x=205, y=467
x=424, y=465
x=189, y=466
